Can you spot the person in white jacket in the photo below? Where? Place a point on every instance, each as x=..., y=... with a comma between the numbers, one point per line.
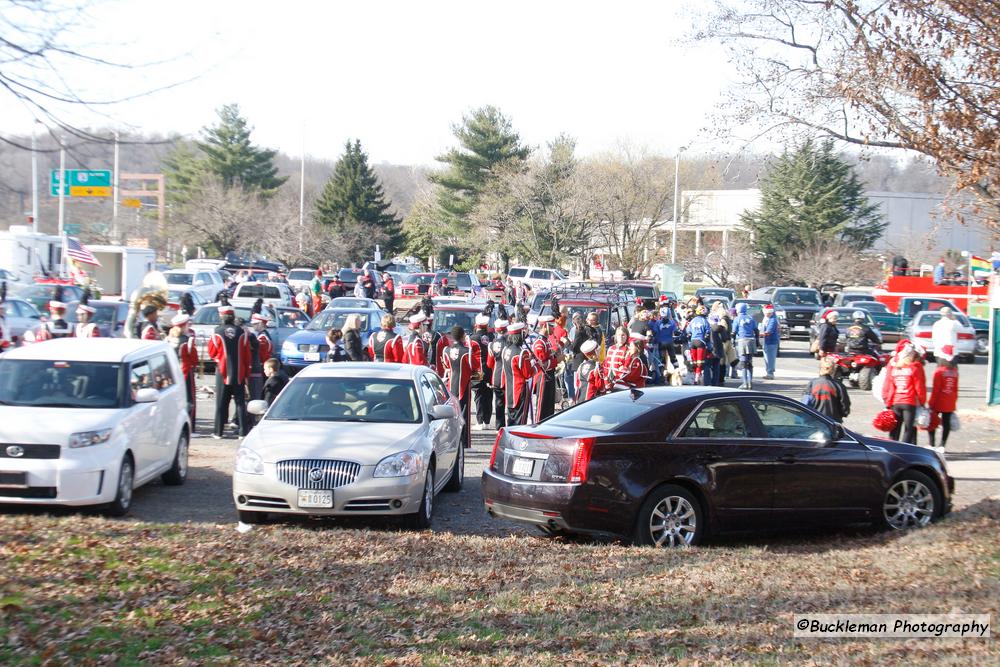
x=945, y=330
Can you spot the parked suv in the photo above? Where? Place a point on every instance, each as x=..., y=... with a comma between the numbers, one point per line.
x=84, y=422
x=276, y=294
x=204, y=282
x=537, y=277
x=795, y=307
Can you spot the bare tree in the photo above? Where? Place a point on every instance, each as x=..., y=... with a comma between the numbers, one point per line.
x=826, y=261
x=625, y=197
x=905, y=74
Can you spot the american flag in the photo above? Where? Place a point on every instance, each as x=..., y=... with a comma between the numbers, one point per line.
x=79, y=252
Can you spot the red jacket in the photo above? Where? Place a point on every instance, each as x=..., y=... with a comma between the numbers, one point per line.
x=631, y=371
x=217, y=351
x=415, y=352
x=906, y=385
x=149, y=332
x=545, y=354
x=459, y=362
x=188, y=355
x=386, y=345
x=944, y=390
x=616, y=354
x=264, y=346
x=589, y=380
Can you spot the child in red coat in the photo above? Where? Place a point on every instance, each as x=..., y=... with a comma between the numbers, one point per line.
x=944, y=392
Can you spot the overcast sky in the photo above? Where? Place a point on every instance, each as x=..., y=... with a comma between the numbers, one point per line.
x=397, y=75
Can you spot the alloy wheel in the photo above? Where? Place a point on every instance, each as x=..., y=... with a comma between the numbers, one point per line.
x=182, y=456
x=429, y=496
x=908, y=504
x=673, y=522
x=125, y=478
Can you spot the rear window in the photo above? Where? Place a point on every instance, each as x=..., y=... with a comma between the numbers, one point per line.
x=300, y=274
x=873, y=307
x=600, y=415
x=256, y=291
x=645, y=291
x=518, y=273
x=179, y=278
x=538, y=274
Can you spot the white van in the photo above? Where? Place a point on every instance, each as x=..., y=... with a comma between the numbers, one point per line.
x=536, y=276
x=85, y=421
x=276, y=294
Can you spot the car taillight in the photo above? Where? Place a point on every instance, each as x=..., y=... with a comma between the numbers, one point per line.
x=496, y=445
x=966, y=336
x=581, y=460
x=923, y=334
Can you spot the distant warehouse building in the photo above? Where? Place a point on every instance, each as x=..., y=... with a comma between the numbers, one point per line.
x=920, y=226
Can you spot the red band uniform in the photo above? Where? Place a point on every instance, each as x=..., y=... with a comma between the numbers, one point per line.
x=386, y=345
x=518, y=372
x=187, y=353
x=494, y=362
x=546, y=359
x=460, y=361
x=229, y=346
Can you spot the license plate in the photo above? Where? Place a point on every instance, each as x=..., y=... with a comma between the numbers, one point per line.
x=14, y=479
x=312, y=498
x=522, y=467
x=311, y=356
x=799, y=328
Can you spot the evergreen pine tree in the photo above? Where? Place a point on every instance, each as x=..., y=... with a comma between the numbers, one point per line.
x=231, y=156
x=811, y=196
x=353, y=205
x=486, y=140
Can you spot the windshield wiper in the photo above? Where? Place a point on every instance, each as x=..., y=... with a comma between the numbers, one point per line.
x=54, y=405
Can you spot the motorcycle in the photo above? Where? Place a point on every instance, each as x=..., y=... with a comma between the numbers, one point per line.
x=859, y=369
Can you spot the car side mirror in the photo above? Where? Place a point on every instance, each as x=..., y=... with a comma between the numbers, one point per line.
x=443, y=412
x=147, y=395
x=257, y=407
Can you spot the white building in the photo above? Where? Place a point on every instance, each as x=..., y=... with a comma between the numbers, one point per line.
x=918, y=223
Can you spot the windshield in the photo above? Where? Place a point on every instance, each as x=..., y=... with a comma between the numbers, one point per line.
x=645, y=291
x=420, y=279
x=350, y=302
x=349, y=275
x=600, y=415
x=300, y=274
x=715, y=292
x=63, y=384
x=444, y=320
x=797, y=298
x=180, y=278
x=602, y=313
x=335, y=320
x=347, y=400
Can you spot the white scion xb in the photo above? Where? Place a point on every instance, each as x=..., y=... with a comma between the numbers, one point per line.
x=349, y=439
x=84, y=421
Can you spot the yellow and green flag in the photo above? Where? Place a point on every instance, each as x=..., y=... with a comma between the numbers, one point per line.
x=980, y=265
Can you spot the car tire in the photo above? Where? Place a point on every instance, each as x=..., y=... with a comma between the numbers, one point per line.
x=982, y=344
x=123, y=495
x=913, y=500
x=671, y=517
x=421, y=519
x=179, y=470
x=865, y=378
x=457, y=477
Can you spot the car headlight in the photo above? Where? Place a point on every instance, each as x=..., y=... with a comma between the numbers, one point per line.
x=289, y=347
x=248, y=461
x=88, y=438
x=402, y=464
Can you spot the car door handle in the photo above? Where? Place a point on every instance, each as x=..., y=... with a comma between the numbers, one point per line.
x=787, y=458
x=709, y=457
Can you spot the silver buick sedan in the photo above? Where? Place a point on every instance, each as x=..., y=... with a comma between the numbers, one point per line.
x=350, y=439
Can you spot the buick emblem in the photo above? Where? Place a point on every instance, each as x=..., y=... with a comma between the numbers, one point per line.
x=316, y=475
x=15, y=451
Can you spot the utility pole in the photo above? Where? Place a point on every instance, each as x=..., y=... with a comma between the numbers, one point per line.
x=62, y=205
x=34, y=181
x=114, y=195
x=673, y=233
x=302, y=191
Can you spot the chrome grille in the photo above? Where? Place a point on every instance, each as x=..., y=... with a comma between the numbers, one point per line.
x=331, y=474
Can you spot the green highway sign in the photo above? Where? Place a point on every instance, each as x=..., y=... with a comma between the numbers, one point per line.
x=72, y=228
x=82, y=183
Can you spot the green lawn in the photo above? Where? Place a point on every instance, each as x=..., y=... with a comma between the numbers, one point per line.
x=79, y=589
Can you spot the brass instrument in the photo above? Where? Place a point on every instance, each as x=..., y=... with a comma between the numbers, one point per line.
x=153, y=291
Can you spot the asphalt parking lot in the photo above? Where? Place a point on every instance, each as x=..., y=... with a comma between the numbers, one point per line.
x=973, y=453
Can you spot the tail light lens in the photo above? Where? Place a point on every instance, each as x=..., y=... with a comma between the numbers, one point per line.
x=496, y=445
x=966, y=336
x=581, y=460
x=923, y=334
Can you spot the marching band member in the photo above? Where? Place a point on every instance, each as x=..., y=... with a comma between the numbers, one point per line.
x=484, y=394
x=616, y=353
x=415, y=351
x=546, y=360
x=494, y=361
x=460, y=361
x=230, y=349
x=434, y=343
x=260, y=351
x=589, y=376
x=518, y=371
x=386, y=345
x=147, y=329
x=632, y=369
x=57, y=327
x=183, y=340
x=84, y=327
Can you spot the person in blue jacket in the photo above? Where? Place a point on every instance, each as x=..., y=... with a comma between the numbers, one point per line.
x=664, y=335
x=699, y=342
x=772, y=339
x=747, y=337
